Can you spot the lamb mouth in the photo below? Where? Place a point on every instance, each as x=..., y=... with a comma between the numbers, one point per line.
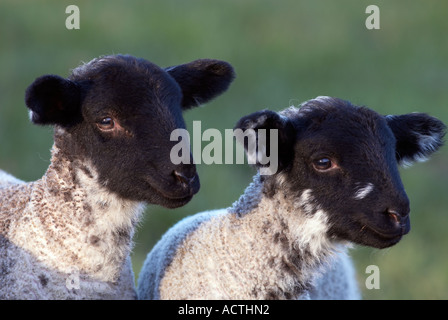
x=176, y=203
x=171, y=201
x=388, y=239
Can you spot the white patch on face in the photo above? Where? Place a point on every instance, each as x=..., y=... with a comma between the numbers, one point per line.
x=363, y=192
x=306, y=202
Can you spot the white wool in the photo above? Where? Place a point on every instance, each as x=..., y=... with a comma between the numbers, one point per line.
x=364, y=191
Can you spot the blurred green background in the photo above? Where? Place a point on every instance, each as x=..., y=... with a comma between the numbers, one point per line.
x=284, y=52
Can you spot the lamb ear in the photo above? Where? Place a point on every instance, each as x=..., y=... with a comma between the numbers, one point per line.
x=53, y=100
x=280, y=148
x=418, y=135
x=202, y=80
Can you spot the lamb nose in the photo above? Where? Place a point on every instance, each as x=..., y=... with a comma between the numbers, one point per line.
x=394, y=215
x=182, y=178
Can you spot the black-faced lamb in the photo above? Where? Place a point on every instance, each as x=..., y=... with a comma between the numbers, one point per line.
x=337, y=184
x=69, y=234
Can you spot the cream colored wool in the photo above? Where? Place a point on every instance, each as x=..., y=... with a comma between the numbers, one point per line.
x=261, y=248
x=64, y=236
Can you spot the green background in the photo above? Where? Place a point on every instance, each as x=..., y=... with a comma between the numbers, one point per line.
x=284, y=52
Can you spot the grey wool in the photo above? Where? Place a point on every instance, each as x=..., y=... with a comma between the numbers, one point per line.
x=226, y=254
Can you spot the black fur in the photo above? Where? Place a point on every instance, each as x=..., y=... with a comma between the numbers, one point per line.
x=410, y=130
x=54, y=100
x=267, y=119
x=145, y=104
x=365, y=147
x=201, y=80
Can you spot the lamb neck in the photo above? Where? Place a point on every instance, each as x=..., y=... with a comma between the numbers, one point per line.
x=264, y=247
x=294, y=243
x=72, y=222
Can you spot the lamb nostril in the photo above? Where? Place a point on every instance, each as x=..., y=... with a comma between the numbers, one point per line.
x=394, y=215
x=182, y=178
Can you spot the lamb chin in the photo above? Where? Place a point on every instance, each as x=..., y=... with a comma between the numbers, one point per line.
x=175, y=203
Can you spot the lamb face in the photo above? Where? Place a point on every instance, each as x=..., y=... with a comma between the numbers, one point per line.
x=337, y=182
x=345, y=157
x=72, y=229
x=342, y=161
x=114, y=115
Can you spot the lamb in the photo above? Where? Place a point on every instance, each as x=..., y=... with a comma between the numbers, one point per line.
x=287, y=236
x=69, y=234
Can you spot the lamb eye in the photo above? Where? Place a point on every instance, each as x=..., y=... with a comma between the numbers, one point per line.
x=106, y=124
x=322, y=164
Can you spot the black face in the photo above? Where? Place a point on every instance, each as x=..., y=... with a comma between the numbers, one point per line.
x=126, y=134
x=121, y=121
x=344, y=158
